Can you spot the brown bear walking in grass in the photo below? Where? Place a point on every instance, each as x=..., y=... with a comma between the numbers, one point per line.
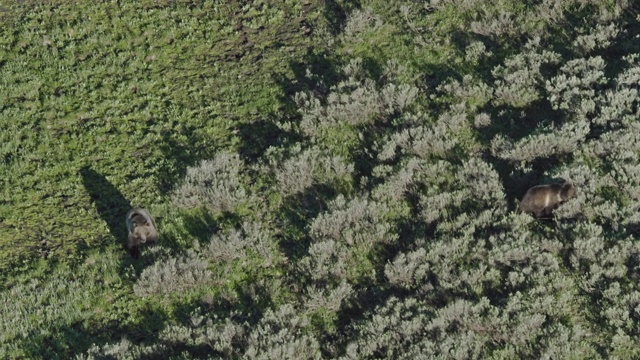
x=142, y=229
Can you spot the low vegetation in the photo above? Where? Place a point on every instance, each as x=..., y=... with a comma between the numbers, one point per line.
x=330, y=179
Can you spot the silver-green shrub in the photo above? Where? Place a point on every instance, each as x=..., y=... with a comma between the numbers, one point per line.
x=175, y=275
x=343, y=238
x=122, y=350
x=357, y=100
x=308, y=167
x=409, y=270
x=224, y=337
x=216, y=184
x=281, y=334
x=426, y=141
x=359, y=23
x=357, y=221
x=519, y=80
x=472, y=195
x=472, y=91
x=332, y=299
x=549, y=141
x=599, y=37
x=574, y=88
x=400, y=183
x=240, y=243
x=593, y=200
x=326, y=260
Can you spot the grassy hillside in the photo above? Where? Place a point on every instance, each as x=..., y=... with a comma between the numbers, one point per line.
x=332, y=179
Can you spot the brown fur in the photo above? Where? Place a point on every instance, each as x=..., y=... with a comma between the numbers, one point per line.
x=541, y=200
x=142, y=229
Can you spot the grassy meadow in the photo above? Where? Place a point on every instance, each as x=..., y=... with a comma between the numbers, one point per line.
x=331, y=179
x=106, y=105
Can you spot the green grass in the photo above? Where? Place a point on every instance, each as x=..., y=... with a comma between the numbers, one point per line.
x=132, y=93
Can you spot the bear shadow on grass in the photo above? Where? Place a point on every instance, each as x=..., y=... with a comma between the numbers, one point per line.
x=110, y=204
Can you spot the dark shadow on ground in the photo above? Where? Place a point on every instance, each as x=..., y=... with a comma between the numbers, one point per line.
x=261, y=134
x=201, y=224
x=179, y=156
x=112, y=207
x=65, y=342
x=294, y=216
x=336, y=13
x=322, y=65
x=517, y=123
x=109, y=202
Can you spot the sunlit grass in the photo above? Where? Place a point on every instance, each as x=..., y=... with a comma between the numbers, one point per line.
x=136, y=91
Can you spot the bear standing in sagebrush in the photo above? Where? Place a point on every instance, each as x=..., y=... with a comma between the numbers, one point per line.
x=541, y=200
x=142, y=229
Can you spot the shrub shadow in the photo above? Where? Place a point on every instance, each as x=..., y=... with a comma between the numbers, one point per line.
x=65, y=342
x=318, y=63
x=260, y=134
x=179, y=157
x=336, y=14
x=202, y=225
x=516, y=182
x=257, y=136
x=295, y=214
